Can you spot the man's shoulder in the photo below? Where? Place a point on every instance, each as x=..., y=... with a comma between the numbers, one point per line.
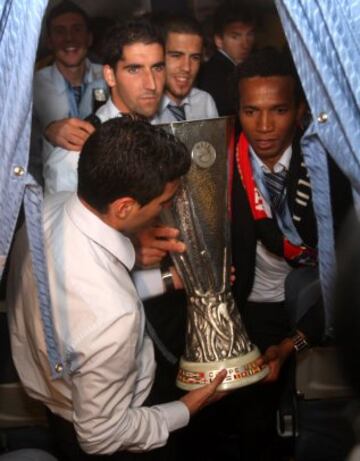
x=96, y=70
x=217, y=63
x=44, y=76
x=196, y=94
x=54, y=205
x=202, y=104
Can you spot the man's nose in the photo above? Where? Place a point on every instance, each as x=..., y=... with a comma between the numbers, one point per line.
x=149, y=81
x=265, y=122
x=185, y=64
x=69, y=35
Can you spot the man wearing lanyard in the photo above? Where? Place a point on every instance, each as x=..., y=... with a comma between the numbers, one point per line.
x=64, y=91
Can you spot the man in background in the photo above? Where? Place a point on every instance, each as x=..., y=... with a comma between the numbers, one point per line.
x=183, y=55
x=64, y=92
x=234, y=37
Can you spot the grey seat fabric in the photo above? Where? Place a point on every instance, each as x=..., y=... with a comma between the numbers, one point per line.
x=27, y=455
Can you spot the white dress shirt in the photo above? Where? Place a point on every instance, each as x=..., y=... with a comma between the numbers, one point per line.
x=198, y=105
x=99, y=325
x=60, y=165
x=270, y=270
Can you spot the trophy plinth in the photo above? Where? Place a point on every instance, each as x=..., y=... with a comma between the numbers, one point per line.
x=215, y=335
x=241, y=371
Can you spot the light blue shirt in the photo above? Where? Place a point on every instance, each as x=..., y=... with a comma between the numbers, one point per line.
x=286, y=223
x=198, y=105
x=53, y=99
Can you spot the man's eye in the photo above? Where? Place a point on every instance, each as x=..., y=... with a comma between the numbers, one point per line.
x=79, y=29
x=159, y=67
x=248, y=112
x=59, y=31
x=133, y=69
x=281, y=110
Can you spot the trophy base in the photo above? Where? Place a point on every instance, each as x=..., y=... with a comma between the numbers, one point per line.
x=241, y=371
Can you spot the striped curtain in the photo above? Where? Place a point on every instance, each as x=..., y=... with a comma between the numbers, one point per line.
x=324, y=38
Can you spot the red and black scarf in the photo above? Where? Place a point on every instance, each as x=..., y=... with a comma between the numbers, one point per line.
x=267, y=229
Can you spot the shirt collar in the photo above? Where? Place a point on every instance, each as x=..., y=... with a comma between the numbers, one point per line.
x=61, y=83
x=101, y=233
x=281, y=164
x=108, y=111
x=165, y=100
x=227, y=56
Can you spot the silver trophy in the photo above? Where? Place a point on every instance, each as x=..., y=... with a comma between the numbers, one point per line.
x=215, y=336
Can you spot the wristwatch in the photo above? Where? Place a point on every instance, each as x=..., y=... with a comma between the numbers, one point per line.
x=300, y=342
x=168, y=280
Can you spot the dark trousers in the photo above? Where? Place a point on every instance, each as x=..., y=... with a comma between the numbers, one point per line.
x=242, y=426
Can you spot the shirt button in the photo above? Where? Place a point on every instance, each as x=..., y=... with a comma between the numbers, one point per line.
x=322, y=117
x=19, y=171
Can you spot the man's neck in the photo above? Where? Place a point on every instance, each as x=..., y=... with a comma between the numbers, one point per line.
x=104, y=217
x=74, y=75
x=270, y=163
x=174, y=99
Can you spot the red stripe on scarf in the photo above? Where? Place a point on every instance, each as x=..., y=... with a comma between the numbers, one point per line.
x=247, y=178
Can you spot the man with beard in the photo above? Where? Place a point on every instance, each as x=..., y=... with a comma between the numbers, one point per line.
x=183, y=54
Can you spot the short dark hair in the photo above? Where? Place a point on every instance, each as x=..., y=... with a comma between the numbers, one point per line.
x=126, y=157
x=181, y=24
x=269, y=62
x=229, y=12
x=66, y=6
x=128, y=32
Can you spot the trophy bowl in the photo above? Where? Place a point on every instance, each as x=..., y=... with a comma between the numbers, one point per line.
x=215, y=335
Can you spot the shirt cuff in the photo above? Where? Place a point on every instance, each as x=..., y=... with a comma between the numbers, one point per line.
x=148, y=283
x=176, y=414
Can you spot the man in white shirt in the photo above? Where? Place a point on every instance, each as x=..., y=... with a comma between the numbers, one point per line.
x=134, y=70
x=128, y=172
x=183, y=54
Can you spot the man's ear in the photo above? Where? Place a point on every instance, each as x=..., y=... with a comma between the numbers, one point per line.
x=124, y=207
x=109, y=75
x=218, y=41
